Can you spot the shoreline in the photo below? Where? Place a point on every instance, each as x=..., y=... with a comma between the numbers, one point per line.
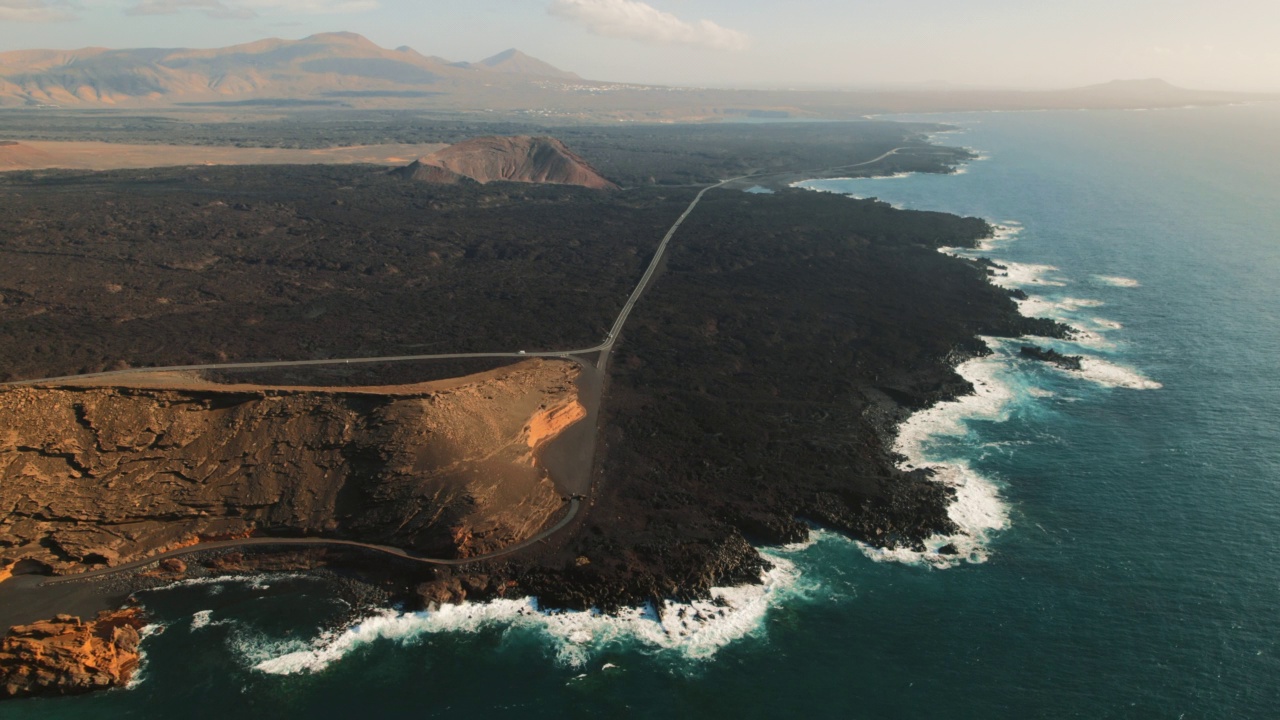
x=733, y=563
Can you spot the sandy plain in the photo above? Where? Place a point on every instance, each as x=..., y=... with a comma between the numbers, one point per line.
x=45, y=155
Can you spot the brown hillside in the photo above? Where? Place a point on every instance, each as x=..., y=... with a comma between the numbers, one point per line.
x=521, y=158
x=107, y=474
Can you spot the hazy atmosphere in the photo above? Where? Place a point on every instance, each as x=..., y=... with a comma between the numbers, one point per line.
x=1228, y=44
x=849, y=359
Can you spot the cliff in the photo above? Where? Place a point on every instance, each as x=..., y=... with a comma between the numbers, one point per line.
x=66, y=656
x=101, y=475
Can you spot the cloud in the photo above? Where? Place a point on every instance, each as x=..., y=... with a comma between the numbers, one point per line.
x=242, y=9
x=211, y=8
x=34, y=11
x=635, y=20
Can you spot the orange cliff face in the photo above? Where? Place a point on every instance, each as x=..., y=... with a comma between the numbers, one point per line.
x=95, y=475
x=66, y=656
x=549, y=422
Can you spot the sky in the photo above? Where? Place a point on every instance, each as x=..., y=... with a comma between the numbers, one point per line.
x=1204, y=44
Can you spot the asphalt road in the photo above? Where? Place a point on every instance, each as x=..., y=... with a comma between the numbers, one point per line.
x=574, y=504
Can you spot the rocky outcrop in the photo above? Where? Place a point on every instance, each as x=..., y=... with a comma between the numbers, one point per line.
x=67, y=656
x=1051, y=356
x=93, y=475
x=420, y=172
x=519, y=158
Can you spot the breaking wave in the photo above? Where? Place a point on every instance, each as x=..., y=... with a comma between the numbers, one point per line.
x=977, y=509
x=1117, y=281
x=689, y=631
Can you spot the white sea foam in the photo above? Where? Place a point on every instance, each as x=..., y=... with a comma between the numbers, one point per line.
x=258, y=582
x=1109, y=374
x=1057, y=308
x=693, y=631
x=977, y=509
x=140, y=674
x=1005, y=233
x=1025, y=275
x=201, y=619
x=1092, y=368
x=1117, y=281
x=1087, y=332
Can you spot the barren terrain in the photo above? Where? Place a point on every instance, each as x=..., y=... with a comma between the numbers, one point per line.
x=104, y=474
x=44, y=155
x=755, y=389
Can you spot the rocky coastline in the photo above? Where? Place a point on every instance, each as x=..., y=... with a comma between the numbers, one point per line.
x=1051, y=357
x=755, y=394
x=738, y=417
x=70, y=656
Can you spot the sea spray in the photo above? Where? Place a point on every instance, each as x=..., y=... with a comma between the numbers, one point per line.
x=140, y=674
x=691, y=631
x=978, y=510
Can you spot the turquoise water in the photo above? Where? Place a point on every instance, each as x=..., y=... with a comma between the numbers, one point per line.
x=1138, y=575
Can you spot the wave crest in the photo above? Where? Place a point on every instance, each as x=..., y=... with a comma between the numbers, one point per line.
x=692, y=631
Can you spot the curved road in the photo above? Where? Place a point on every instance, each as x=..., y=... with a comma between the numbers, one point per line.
x=605, y=349
x=574, y=504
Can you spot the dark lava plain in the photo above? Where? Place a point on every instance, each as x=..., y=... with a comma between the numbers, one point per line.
x=756, y=388
x=760, y=384
x=186, y=266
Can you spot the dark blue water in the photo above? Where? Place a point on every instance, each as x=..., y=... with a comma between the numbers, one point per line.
x=1137, y=575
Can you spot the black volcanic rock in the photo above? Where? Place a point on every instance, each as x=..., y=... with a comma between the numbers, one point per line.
x=1053, y=357
x=759, y=385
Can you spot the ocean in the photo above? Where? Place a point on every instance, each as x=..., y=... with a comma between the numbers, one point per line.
x=1125, y=552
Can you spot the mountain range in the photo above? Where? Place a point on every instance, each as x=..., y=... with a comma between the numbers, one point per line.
x=333, y=66
x=347, y=70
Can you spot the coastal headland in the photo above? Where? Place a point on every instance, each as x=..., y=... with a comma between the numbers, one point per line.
x=696, y=389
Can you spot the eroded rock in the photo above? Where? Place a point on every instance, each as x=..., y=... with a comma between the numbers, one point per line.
x=94, y=475
x=67, y=656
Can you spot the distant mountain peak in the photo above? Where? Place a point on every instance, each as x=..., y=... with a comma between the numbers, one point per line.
x=340, y=37
x=1138, y=89
x=502, y=57
x=1142, y=82
x=514, y=62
